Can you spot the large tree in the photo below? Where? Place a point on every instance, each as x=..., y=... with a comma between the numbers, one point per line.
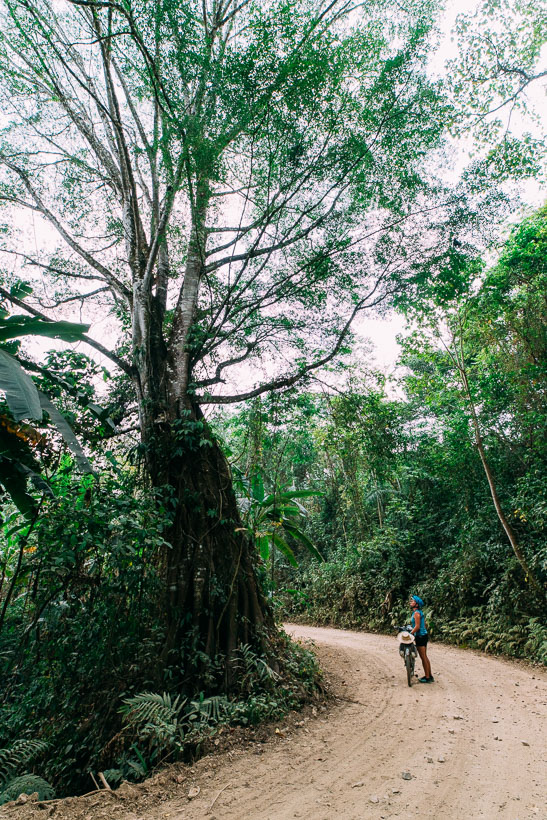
x=236, y=182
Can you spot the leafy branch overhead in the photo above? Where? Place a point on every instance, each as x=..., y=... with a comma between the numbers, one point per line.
x=254, y=172
x=497, y=81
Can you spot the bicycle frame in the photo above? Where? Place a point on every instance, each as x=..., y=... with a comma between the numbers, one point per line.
x=408, y=652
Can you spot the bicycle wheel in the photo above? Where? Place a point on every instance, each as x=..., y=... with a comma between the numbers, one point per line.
x=409, y=666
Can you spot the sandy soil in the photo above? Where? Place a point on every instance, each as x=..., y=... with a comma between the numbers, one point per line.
x=473, y=745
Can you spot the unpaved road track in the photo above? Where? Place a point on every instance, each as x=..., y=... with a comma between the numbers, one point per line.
x=474, y=744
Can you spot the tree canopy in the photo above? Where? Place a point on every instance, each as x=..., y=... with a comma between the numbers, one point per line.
x=241, y=181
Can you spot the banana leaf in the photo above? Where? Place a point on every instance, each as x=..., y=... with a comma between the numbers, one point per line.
x=257, y=487
x=21, y=392
x=285, y=495
x=17, y=463
x=39, y=482
x=263, y=543
x=83, y=463
x=21, y=325
x=14, y=482
x=25, y=401
x=298, y=535
x=283, y=547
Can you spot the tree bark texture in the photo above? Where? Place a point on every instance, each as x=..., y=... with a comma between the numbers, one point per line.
x=211, y=586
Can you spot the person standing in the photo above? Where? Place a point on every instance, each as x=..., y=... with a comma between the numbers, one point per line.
x=419, y=630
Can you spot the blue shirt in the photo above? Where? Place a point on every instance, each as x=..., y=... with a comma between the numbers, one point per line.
x=422, y=630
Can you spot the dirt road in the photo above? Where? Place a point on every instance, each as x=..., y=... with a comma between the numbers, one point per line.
x=471, y=745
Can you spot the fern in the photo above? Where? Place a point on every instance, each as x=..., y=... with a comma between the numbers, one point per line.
x=137, y=769
x=16, y=756
x=255, y=667
x=151, y=708
x=27, y=784
x=164, y=726
x=210, y=710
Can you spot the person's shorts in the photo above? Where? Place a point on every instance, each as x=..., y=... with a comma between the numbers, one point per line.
x=421, y=640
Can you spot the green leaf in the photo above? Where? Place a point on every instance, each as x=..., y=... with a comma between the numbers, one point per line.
x=283, y=547
x=14, y=480
x=263, y=544
x=84, y=465
x=21, y=392
x=291, y=509
x=21, y=325
x=298, y=535
x=300, y=494
x=20, y=290
x=39, y=482
x=288, y=494
x=257, y=487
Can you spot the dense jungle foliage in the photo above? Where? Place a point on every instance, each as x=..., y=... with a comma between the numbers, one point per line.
x=355, y=495
x=223, y=191
x=405, y=502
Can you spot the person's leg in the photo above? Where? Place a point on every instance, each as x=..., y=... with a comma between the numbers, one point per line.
x=422, y=651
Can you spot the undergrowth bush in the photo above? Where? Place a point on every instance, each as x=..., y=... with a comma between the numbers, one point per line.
x=354, y=587
x=480, y=630
x=80, y=639
x=158, y=728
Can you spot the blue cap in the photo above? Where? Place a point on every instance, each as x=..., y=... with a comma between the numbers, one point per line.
x=418, y=600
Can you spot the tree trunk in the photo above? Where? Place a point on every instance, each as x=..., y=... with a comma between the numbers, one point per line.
x=213, y=600
x=521, y=558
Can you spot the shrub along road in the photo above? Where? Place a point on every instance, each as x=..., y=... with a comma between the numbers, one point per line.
x=472, y=744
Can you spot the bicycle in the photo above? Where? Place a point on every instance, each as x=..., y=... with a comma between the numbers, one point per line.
x=407, y=650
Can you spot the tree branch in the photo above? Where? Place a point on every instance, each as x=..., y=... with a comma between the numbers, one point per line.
x=289, y=381
x=106, y=275
x=76, y=298
x=217, y=378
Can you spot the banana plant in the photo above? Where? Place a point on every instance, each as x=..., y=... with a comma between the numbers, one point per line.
x=26, y=403
x=269, y=517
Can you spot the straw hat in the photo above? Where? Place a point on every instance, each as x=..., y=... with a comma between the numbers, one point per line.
x=405, y=637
